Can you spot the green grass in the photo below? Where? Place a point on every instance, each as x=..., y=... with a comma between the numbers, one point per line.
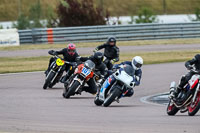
x=161, y=57
x=119, y=43
x=21, y=64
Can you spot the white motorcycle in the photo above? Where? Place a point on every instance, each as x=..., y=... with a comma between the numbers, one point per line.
x=115, y=86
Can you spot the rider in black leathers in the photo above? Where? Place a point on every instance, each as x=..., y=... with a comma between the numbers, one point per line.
x=69, y=55
x=191, y=64
x=100, y=70
x=111, y=51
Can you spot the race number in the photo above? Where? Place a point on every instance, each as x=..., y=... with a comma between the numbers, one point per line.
x=60, y=62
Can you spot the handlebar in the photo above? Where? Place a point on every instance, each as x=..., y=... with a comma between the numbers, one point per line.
x=195, y=71
x=67, y=62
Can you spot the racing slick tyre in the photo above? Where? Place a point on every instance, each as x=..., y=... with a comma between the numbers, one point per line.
x=71, y=90
x=48, y=80
x=111, y=97
x=171, y=109
x=194, y=107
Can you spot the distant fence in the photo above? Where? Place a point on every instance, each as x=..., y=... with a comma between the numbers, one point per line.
x=100, y=33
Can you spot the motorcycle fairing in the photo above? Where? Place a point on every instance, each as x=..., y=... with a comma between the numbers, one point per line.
x=106, y=84
x=194, y=81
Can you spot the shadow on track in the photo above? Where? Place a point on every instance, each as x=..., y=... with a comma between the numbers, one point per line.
x=54, y=88
x=80, y=98
x=122, y=106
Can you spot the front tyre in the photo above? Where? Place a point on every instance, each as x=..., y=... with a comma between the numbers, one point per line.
x=111, y=97
x=194, y=107
x=56, y=80
x=171, y=109
x=71, y=90
x=48, y=80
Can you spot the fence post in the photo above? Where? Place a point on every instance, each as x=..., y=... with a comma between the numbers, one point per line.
x=34, y=37
x=50, y=35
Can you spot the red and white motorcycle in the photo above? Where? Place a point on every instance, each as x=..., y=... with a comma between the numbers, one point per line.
x=188, y=99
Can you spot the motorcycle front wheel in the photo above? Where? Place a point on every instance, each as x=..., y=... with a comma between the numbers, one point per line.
x=71, y=90
x=171, y=109
x=111, y=97
x=48, y=80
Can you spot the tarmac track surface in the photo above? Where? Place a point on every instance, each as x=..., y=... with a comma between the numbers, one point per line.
x=26, y=107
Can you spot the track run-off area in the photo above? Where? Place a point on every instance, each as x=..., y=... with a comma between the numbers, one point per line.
x=26, y=108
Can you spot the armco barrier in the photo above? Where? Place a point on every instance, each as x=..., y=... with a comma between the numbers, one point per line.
x=100, y=33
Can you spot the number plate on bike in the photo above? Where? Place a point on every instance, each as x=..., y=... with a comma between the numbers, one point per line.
x=60, y=62
x=85, y=71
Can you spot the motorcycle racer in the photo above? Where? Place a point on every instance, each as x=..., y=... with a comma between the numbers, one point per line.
x=111, y=51
x=136, y=64
x=190, y=64
x=100, y=70
x=69, y=55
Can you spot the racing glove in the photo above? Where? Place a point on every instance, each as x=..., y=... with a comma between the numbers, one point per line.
x=189, y=67
x=52, y=52
x=113, y=61
x=95, y=50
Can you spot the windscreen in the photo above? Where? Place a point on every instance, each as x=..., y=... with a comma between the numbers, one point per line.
x=129, y=70
x=89, y=64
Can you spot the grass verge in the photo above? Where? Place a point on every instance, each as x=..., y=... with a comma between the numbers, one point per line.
x=119, y=43
x=21, y=64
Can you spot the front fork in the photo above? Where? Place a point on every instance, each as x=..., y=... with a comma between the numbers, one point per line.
x=56, y=73
x=108, y=82
x=77, y=79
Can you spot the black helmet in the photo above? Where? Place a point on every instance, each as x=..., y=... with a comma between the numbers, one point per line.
x=111, y=39
x=98, y=57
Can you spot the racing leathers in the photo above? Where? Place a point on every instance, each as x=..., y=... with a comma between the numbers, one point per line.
x=67, y=57
x=191, y=64
x=100, y=70
x=111, y=53
x=136, y=76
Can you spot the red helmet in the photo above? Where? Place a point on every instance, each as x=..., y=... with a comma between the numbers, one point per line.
x=71, y=49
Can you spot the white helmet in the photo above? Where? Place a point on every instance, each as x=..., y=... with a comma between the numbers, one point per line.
x=137, y=62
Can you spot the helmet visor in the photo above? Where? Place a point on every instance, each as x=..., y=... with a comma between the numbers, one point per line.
x=112, y=43
x=71, y=50
x=138, y=65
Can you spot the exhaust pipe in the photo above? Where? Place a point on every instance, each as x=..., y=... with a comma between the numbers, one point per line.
x=173, y=85
x=172, y=90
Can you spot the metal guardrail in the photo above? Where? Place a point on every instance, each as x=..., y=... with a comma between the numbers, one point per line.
x=100, y=33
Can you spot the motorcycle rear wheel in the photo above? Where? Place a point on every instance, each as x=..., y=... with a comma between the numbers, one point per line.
x=97, y=101
x=111, y=97
x=171, y=109
x=196, y=106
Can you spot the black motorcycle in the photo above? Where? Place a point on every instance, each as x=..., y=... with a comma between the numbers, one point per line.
x=56, y=71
